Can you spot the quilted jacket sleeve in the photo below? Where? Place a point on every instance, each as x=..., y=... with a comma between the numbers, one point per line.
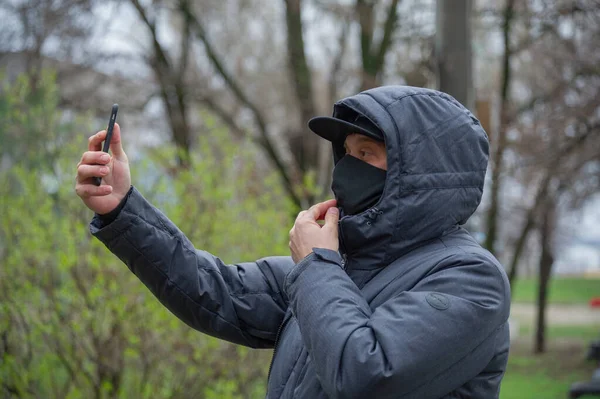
x=242, y=303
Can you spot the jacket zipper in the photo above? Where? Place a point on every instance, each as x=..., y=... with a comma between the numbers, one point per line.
x=275, y=348
x=372, y=214
x=342, y=246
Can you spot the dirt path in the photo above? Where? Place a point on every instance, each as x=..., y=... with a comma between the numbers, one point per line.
x=523, y=314
x=558, y=314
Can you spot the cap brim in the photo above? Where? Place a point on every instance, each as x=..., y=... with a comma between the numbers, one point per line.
x=336, y=130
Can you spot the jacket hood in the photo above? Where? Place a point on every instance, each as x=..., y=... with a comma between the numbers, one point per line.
x=437, y=155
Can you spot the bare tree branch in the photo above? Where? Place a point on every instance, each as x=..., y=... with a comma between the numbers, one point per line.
x=527, y=227
x=291, y=179
x=171, y=88
x=226, y=118
x=186, y=40
x=500, y=144
x=554, y=167
x=336, y=65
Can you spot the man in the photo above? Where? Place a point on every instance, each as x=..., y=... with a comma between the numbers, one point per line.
x=390, y=298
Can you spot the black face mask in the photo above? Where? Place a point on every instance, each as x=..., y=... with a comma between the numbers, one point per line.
x=356, y=184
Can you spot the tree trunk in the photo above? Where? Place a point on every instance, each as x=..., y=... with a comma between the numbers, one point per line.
x=373, y=54
x=183, y=134
x=368, y=79
x=173, y=99
x=545, y=271
x=512, y=272
x=453, y=49
x=304, y=145
x=500, y=142
x=529, y=224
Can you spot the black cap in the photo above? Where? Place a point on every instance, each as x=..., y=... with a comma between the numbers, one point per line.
x=336, y=130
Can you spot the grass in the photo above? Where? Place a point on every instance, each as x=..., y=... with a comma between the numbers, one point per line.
x=546, y=376
x=562, y=290
x=550, y=375
x=584, y=333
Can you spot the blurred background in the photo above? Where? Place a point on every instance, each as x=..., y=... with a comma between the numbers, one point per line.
x=214, y=98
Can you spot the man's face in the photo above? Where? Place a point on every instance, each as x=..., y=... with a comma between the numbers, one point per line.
x=367, y=150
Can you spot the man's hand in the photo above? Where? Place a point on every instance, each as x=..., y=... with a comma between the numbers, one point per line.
x=308, y=234
x=114, y=171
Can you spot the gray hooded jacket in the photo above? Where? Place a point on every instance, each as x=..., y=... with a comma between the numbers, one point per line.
x=414, y=307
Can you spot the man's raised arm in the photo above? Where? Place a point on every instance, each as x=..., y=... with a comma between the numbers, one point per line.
x=243, y=303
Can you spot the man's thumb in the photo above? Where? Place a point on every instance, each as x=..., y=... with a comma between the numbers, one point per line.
x=116, y=145
x=331, y=218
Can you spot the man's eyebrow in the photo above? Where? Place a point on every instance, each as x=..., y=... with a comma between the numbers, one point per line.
x=363, y=138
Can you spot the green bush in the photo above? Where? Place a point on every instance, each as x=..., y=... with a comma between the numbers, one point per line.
x=74, y=322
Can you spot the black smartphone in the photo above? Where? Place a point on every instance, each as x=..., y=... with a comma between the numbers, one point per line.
x=109, y=132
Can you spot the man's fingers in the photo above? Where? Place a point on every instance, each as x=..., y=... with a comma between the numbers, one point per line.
x=316, y=212
x=90, y=190
x=94, y=158
x=301, y=215
x=331, y=217
x=86, y=171
x=95, y=141
x=331, y=222
x=116, y=146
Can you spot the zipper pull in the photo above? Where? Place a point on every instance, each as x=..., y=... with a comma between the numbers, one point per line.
x=372, y=215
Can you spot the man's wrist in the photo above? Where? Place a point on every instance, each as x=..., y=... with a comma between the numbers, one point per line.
x=318, y=254
x=329, y=255
x=109, y=217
